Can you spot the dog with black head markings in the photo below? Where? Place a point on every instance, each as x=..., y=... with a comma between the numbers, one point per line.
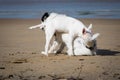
x=81, y=46
x=54, y=22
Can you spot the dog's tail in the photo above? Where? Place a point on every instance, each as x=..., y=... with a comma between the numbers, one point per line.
x=36, y=26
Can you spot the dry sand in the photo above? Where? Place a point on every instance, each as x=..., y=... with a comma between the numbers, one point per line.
x=21, y=58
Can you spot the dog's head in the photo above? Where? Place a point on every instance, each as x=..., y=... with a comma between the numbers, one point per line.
x=89, y=38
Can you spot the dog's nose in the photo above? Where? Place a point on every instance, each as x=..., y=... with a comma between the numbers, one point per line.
x=42, y=28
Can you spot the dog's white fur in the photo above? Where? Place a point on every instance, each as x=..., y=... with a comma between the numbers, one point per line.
x=61, y=23
x=79, y=44
x=81, y=49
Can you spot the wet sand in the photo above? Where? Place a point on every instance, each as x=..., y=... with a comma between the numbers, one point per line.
x=21, y=58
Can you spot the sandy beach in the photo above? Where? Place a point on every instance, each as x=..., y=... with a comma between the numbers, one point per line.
x=21, y=58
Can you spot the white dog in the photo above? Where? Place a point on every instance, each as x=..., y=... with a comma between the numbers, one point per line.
x=54, y=23
x=85, y=48
x=81, y=46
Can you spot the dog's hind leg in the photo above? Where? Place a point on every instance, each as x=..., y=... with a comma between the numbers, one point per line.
x=49, y=35
x=52, y=48
x=62, y=45
x=57, y=45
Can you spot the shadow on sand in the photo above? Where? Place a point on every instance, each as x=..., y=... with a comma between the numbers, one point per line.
x=106, y=52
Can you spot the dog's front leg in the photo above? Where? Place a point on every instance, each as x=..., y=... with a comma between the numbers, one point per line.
x=70, y=46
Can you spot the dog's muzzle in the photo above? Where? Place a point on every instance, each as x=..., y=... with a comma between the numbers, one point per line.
x=91, y=48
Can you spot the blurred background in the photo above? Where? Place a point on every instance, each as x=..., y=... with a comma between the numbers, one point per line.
x=107, y=9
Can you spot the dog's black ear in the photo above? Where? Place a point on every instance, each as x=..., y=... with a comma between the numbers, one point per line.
x=45, y=16
x=84, y=31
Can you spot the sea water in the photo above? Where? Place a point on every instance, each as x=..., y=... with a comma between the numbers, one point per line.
x=35, y=9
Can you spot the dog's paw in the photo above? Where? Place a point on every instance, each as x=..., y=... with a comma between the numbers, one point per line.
x=54, y=52
x=43, y=52
x=70, y=53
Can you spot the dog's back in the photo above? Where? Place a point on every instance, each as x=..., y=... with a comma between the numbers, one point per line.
x=63, y=23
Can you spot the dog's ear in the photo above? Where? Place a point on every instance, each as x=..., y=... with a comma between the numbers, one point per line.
x=84, y=31
x=90, y=27
x=95, y=36
x=45, y=16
